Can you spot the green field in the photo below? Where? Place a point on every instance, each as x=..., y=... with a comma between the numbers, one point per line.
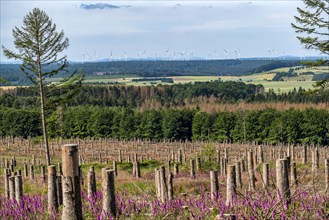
x=289, y=83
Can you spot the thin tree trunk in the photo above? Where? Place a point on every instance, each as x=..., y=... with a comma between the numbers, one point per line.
x=43, y=114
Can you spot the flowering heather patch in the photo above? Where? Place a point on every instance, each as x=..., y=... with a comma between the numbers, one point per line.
x=258, y=205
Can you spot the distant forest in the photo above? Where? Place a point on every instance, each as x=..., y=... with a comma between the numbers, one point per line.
x=166, y=96
x=13, y=74
x=117, y=112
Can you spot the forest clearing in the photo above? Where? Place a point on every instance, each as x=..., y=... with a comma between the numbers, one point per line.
x=254, y=181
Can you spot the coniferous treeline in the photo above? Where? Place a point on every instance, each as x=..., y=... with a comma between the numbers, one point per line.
x=269, y=125
x=167, y=95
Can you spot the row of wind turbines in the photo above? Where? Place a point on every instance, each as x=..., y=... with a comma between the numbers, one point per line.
x=168, y=54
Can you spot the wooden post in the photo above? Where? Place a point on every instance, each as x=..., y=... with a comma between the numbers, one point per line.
x=176, y=171
x=52, y=191
x=293, y=176
x=31, y=172
x=120, y=156
x=218, y=156
x=12, y=187
x=136, y=169
x=43, y=173
x=108, y=204
x=304, y=154
x=72, y=206
x=260, y=155
x=26, y=171
x=238, y=174
x=59, y=190
x=230, y=186
x=60, y=169
x=180, y=156
x=326, y=175
x=317, y=156
x=243, y=167
x=163, y=184
x=282, y=179
x=198, y=163
x=192, y=169
x=223, y=166
x=213, y=184
x=115, y=168
x=91, y=179
x=157, y=183
x=170, y=186
x=266, y=170
x=251, y=173
x=18, y=188
x=6, y=180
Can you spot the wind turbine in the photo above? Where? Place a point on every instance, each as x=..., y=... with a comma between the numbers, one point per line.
x=269, y=54
x=125, y=55
x=215, y=54
x=168, y=54
x=226, y=52
x=182, y=53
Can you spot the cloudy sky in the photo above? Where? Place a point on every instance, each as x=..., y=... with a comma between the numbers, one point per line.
x=119, y=29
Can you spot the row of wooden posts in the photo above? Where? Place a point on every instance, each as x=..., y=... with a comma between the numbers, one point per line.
x=65, y=188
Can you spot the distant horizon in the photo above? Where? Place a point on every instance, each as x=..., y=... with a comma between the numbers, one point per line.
x=281, y=58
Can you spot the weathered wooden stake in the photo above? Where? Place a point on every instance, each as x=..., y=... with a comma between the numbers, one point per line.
x=176, y=170
x=31, y=172
x=163, y=184
x=72, y=206
x=26, y=171
x=326, y=175
x=282, y=179
x=18, y=188
x=192, y=169
x=223, y=166
x=238, y=174
x=12, y=187
x=136, y=169
x=109, y=206
x=91, y=179
x=59, y=190
x=170, y=187
x=115, y=168
x=213, y=184
x=251, y=173
x=304, y=154
x=52, y=191
x=293, y=176
x=198, y=163
x=230, y=186
x=260, y=155
x=43, y=173
x=266, y=169
x=6, y=180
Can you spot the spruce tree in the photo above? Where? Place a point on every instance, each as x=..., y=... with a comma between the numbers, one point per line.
x=39, y=47
x=312, y=25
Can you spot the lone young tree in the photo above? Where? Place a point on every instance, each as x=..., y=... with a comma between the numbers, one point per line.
x=39, y=46
x=313, y=25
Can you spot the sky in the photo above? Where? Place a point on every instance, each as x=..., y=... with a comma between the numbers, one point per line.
x=167, y=29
